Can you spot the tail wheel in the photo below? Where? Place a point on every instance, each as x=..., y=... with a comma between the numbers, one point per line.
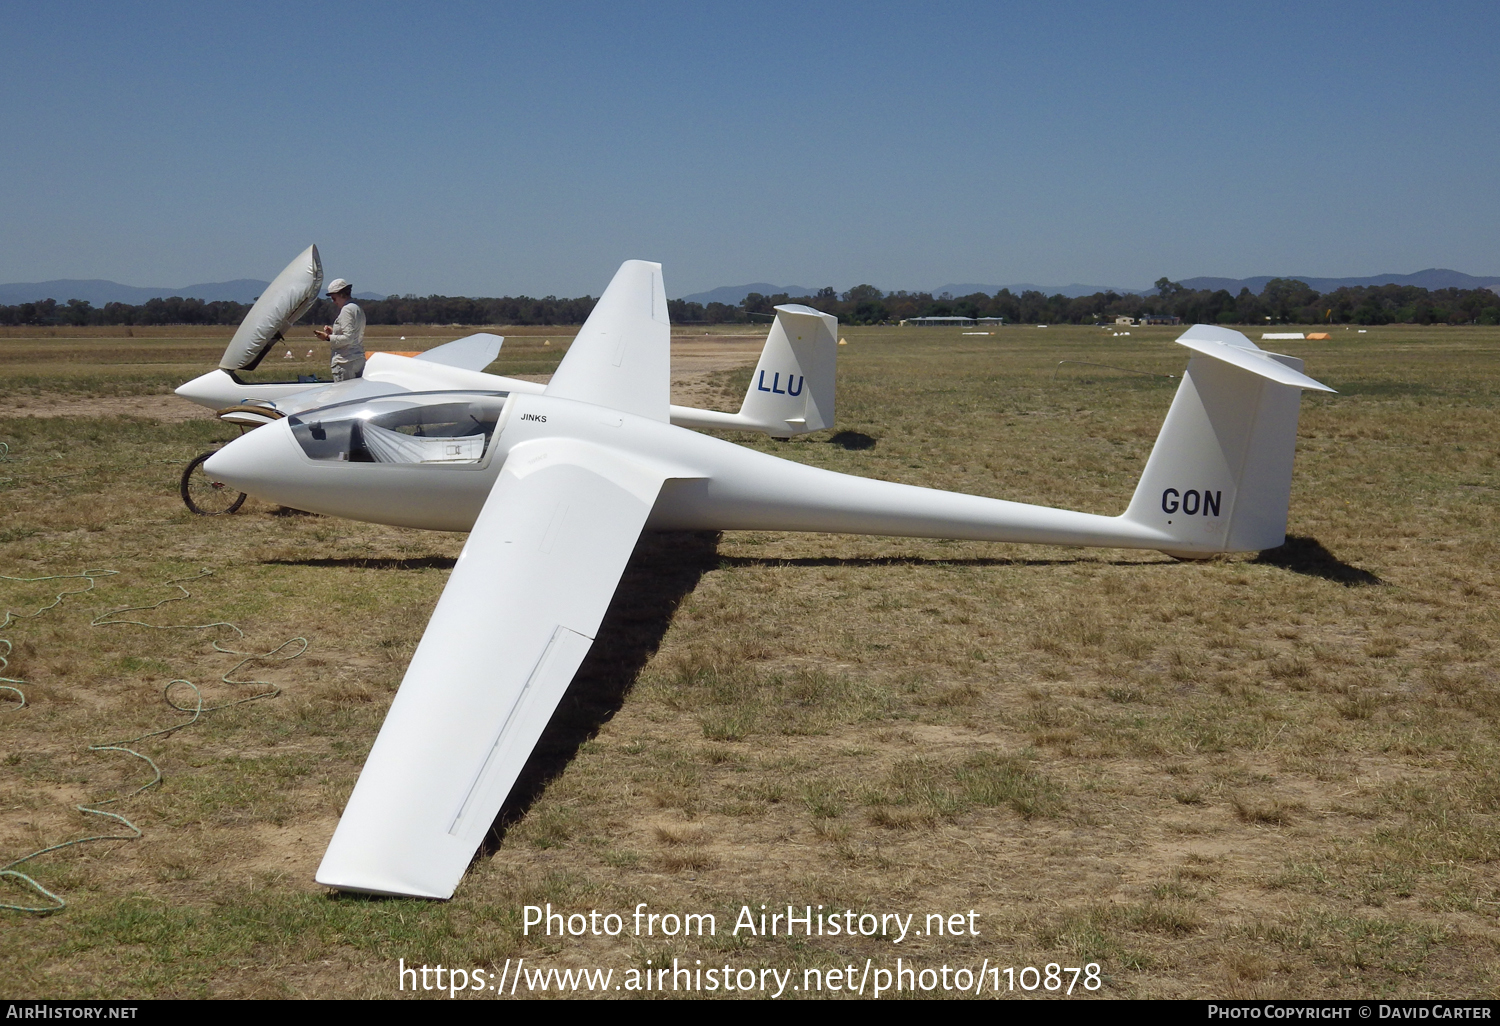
x=205, y=496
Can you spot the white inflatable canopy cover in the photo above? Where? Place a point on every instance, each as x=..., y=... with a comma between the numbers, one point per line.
x=287, y=298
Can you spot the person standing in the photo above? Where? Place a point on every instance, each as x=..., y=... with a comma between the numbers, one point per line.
x=346, y=335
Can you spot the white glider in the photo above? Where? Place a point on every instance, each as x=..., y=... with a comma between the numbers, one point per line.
x=556, y=487
x=790, y=394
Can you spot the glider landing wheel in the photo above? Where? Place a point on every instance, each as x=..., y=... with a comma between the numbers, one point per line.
x=205, y=496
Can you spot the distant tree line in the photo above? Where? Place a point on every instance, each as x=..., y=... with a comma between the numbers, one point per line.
x=1282, y=301
x=78, y=312
x=391, y=310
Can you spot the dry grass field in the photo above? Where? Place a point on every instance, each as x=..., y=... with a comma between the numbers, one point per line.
x=1268, y=775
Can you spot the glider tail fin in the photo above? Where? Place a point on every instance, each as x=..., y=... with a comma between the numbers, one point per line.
x=621, y=357
x=791, y=390
x=1219, y=478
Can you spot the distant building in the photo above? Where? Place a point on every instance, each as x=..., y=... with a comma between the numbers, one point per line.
x=942, y=322
x=1124, y=321
x=1160, y=319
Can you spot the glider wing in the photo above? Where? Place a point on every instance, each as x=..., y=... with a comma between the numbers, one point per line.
x=511, y=628
x=473, y=352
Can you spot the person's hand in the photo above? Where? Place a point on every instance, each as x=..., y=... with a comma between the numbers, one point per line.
x=324, y=332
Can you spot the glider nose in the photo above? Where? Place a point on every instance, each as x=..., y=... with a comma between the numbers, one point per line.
x=256, y=461
x=216, y=390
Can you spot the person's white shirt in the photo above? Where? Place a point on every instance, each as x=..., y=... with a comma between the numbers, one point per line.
x=348, y=336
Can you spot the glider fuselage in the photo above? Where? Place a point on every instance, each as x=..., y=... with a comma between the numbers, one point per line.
x=722, y=486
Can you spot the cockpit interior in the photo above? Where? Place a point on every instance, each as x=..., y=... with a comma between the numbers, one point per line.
x=452, y=428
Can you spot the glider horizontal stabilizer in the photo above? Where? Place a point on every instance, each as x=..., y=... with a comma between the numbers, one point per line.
x=1232, y=347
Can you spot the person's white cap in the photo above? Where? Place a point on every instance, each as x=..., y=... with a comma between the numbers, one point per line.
x=338, y=285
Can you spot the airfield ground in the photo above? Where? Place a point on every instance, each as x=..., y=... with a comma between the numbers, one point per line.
x=1264, y=776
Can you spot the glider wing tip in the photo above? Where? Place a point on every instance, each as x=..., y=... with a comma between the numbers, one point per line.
x=380, y=888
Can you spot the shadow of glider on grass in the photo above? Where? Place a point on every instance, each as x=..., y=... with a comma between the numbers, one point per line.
x=556, y=487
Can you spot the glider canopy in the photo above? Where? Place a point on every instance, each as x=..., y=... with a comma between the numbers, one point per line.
x=287, y=298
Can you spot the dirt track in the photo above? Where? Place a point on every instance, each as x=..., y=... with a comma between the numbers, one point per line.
x=155, y=407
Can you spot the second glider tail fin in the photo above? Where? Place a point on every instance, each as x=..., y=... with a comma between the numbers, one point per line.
x=791, y=389
x=1219, y=478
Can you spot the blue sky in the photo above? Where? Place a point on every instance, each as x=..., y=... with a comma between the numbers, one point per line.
x=489, y=149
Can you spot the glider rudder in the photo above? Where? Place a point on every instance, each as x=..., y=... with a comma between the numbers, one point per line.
x=1219, y=478
x=621, y=357
x=791, y=390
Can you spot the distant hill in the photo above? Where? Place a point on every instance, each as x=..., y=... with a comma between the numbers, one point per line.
x=1071, y=291
x=98, y=292
x=1432, y=278
x=733, y=295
